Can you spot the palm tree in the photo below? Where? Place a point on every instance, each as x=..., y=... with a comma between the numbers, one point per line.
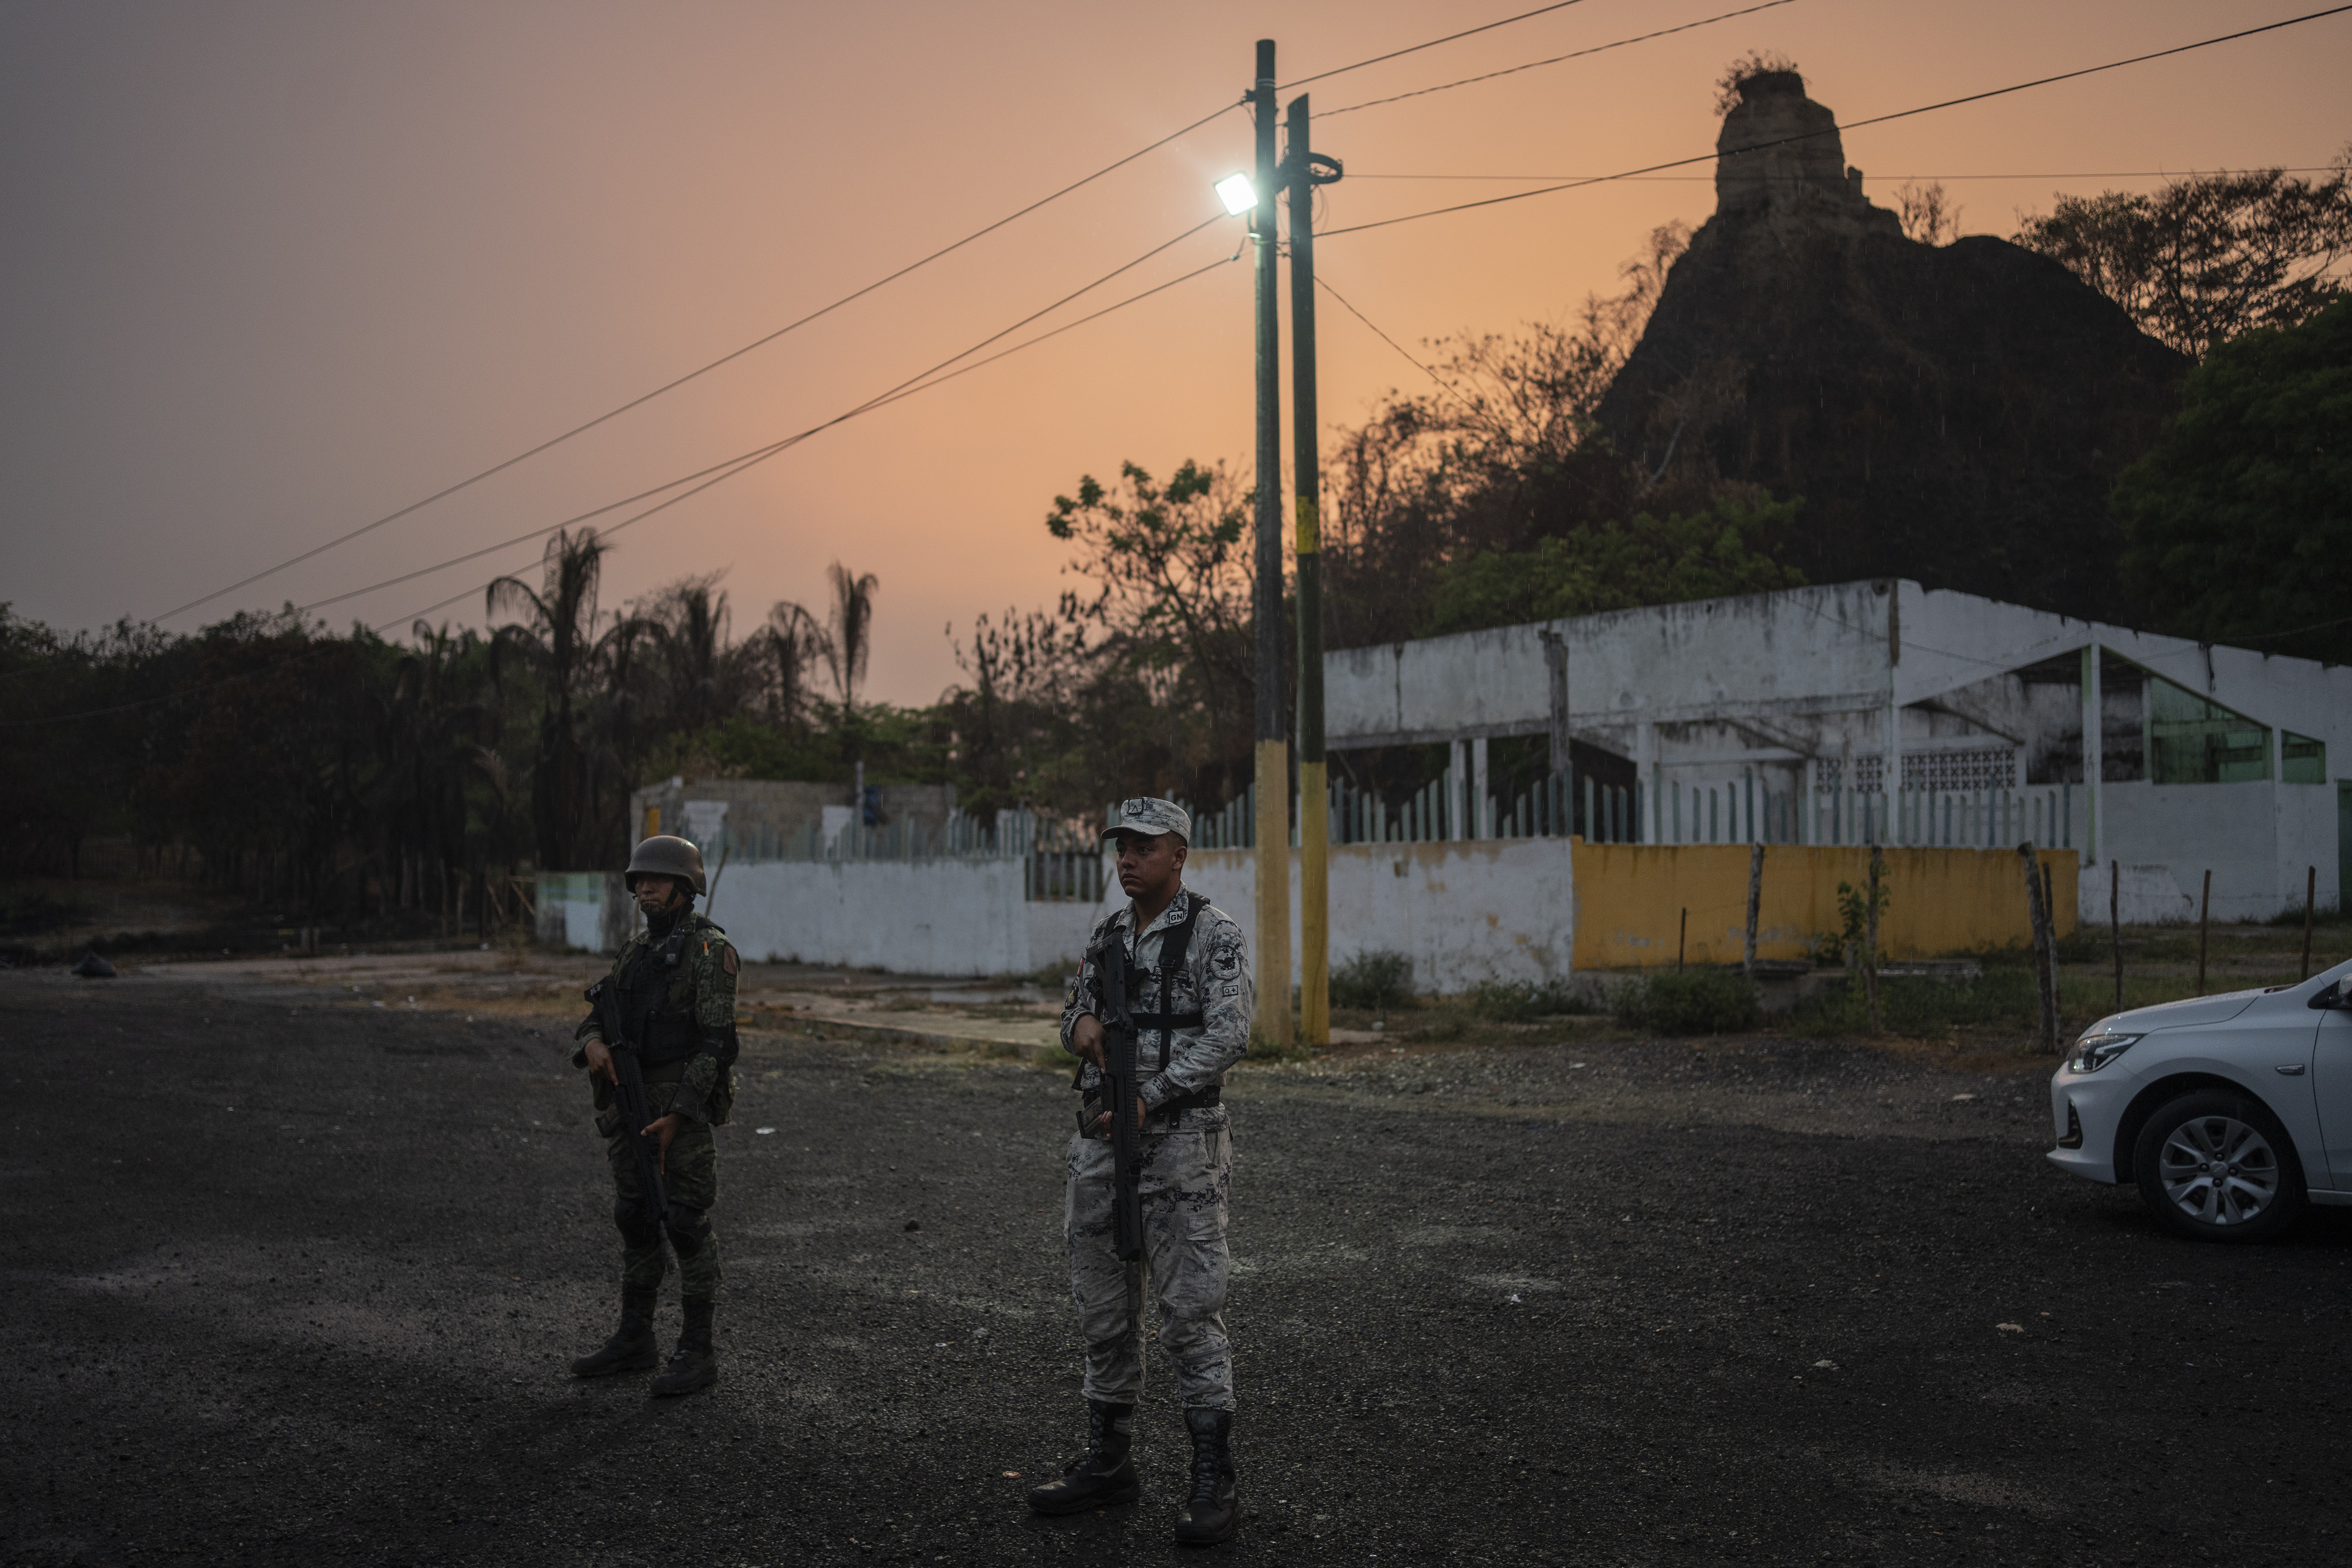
x=688, y=623
x=853, y=626
x=793, y=644
x=556, y=640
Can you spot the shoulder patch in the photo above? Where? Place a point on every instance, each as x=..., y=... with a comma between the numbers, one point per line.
x=727, y=959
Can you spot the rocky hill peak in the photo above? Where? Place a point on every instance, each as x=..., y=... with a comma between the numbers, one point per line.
x=1779, y=157
x=1954, y=414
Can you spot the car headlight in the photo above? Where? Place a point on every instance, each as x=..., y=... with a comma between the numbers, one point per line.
x=2092, y=1052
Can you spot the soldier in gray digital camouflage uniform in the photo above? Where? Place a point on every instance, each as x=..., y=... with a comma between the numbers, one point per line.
x=1190, y=996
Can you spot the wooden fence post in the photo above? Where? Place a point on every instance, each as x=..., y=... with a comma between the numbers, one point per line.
x=2115, y=924
x=1756, y=899
x=2310, y=897
x=2045, y=947
x=1870, y=935
x=2204, y=921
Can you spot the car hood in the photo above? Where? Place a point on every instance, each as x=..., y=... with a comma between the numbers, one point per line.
x=2180, y=1014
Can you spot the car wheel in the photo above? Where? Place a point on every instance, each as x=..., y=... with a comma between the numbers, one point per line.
x=2217, y=1167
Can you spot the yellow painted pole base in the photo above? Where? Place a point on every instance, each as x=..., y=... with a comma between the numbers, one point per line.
x=1272, y=959
x=1313, y=906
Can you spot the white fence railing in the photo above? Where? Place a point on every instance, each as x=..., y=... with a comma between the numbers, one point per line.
x=1736, y=810
x=1064, y=860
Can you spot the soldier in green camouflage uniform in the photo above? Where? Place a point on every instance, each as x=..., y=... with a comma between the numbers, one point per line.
x=673, y=992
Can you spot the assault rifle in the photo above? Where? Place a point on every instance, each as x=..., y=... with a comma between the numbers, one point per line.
x=1120, y=1091
x=629, y=1093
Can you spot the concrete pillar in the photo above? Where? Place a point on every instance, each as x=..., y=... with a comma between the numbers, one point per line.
x=1647, y=768
x=1482, y=814
x=1458, y=760
x=2095, y=752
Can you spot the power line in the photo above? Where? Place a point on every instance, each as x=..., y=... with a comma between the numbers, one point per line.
x=692, y=374
x=734, y=466
x=750, y=459
x=736, y=463
x=1854, y=125
x=1416, y=48
x=1556, y=59
x=2075, y=175
x=1443, y=385
x=672, y=385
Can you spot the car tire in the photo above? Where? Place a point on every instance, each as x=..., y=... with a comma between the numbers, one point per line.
x=2217, y=1167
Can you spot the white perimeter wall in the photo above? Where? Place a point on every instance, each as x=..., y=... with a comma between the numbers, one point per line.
x=906, y=917
x=1465, y=912
x=2258, y=839
x=1486, y=909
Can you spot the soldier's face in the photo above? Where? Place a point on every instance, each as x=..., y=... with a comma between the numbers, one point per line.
x=657, y=895
x=1150, y=864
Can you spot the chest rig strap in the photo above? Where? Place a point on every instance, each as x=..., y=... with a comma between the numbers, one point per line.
x=1174, y=943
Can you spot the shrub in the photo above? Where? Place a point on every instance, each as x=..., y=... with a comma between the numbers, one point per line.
x=1516, y=1001
x=2007, y=997
x=1375, y=981
x=1695, y=1002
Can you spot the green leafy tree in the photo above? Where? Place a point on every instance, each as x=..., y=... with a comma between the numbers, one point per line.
x=2207, y=259
x=1726, y=550
x=2239, y=524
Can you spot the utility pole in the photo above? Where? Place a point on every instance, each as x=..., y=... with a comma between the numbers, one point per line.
x=1304, y=171
x=1273, y=750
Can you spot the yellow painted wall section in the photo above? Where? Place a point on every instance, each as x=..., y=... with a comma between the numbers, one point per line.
x=1630, y=898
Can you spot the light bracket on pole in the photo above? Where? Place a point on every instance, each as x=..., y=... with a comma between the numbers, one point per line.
x=1238, y=194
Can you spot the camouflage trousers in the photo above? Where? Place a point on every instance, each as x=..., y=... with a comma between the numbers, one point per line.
x=1186, y=1177
x=691, y=1174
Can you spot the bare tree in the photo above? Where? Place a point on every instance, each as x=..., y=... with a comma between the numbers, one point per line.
x=1928, y=215
x=852, y=630
x=1746, y=69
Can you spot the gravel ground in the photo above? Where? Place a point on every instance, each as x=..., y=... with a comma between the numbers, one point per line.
x=294, y=1283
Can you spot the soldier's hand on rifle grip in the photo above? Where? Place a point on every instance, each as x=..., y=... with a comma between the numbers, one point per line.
x=1087, y=1040
x=1102, y=1122
x=665, y=1128
x=600, y=1060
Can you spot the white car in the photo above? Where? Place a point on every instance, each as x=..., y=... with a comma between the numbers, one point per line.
x=2231, y=1112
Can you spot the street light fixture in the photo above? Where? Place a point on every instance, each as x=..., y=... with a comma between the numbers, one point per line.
x=1238, y=194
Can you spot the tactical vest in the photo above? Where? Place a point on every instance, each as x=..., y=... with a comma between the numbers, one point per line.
x=1175, y=942
x=655, y=992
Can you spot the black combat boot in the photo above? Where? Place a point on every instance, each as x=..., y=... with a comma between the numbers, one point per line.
x=633, y=1348
x=693, y=1366
x=1103, y=1474
x=1209, y=1512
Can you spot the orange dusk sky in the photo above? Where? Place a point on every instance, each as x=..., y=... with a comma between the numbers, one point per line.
x=273, y=271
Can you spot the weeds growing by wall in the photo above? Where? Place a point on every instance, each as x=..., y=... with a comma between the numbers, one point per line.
x=1693, y=1001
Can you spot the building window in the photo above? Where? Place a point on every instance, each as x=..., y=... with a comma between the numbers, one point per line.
x=2302, y=760
x=1986, y=767
x=2193, y=740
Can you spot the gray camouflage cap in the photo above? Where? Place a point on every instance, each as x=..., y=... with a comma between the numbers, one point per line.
x=1148, y=814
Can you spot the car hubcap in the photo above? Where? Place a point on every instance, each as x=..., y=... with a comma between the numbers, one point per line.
x=2219, y=1169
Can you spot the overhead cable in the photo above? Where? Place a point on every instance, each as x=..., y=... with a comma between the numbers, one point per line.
x=672, y=385
x=1852, y=125
x=1416, y=48
x=2075, y=174
x=447, y=492
x=1556, y=59
x=741, y=460
x=732, y=466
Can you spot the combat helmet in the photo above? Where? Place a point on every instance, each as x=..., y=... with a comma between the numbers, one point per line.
x=666, y=855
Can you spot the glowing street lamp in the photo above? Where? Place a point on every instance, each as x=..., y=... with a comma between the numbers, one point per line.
x=1238, y=194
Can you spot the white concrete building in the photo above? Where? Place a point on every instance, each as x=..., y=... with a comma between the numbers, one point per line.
x=1884, y=711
